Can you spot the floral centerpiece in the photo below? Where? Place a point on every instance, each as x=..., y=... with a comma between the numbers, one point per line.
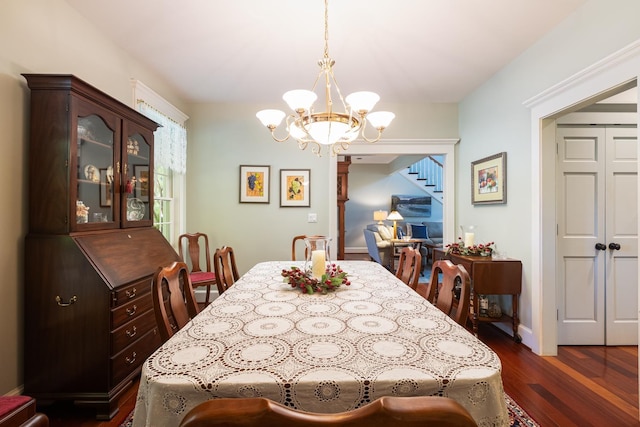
x=331, y=280
x=459, y=248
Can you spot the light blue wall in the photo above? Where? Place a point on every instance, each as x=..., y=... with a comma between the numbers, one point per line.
x=370, y=189
x=493, y=119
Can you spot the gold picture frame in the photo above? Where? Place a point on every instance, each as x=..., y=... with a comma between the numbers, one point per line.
x=489, y=180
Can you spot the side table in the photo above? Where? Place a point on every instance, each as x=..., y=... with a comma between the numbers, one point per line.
x=490, y=277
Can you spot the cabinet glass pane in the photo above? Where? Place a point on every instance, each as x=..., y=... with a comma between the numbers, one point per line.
x=138, y=192
x=95, y=171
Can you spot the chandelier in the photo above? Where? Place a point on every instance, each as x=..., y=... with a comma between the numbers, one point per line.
x=335, y=128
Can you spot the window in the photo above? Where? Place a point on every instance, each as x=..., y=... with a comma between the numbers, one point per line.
x=163, y=201
x=170, y=152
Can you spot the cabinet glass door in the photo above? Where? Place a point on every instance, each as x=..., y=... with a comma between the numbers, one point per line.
x=95, y=175
x=138, y=178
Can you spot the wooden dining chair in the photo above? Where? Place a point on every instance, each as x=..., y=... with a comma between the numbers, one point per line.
x=224, y=263
x=450, y=290
x=384, y=412
x=174, y=303
x=409, y=267
x=295, y=243
x=193, y=244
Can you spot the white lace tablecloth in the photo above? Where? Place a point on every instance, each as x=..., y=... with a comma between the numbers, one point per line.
x=320, y=353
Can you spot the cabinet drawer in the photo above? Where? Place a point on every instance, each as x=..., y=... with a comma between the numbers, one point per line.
x=127, y=293
x=131, y=331
x=131, y=310
x=132, y=357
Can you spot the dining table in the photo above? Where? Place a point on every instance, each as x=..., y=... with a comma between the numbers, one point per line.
x=318, y=352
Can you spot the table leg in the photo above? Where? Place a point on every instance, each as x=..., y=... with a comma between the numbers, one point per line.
x=515, y=319
x=474, y=317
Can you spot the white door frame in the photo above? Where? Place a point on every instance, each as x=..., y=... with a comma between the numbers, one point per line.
x=593, y=83
x=445, y=147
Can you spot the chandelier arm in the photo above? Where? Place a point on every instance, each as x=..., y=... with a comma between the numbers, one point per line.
x=364, y=128
x=275, y=138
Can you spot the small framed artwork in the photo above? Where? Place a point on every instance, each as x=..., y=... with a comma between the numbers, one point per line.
x=489, y=180
x=142, y=182
x=254, y=184
x=106, y=187
x=295, y=187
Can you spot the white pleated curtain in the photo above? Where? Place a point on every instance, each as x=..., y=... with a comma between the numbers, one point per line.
x=170, y=140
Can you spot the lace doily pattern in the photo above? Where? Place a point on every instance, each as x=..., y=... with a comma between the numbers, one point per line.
x=319, y=353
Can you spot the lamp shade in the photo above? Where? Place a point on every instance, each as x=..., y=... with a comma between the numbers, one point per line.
x=379, y=216
x=270, y=117
x=395, y=216
x=380, y=119
x=300, y=99
x=362, y=101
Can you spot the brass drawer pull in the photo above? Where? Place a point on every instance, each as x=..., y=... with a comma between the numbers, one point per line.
x=131, y=333
x=131, y=311
x=66, y=304
x=131, y=293
x=132, y=360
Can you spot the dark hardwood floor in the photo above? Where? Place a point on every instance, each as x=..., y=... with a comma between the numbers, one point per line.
x=582, y=386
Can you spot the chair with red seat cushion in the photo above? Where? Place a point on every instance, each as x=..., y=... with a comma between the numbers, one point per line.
x=193, y=243
x=20, y=411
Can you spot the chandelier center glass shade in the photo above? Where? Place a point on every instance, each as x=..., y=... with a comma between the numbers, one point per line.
x=333, y=127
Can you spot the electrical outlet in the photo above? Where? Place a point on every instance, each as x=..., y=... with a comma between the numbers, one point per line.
x=312, y=217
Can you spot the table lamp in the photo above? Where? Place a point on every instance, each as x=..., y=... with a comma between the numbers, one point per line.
x=379, y=216
x=395, y=216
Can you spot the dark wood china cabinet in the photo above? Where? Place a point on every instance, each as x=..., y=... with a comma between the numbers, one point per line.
x=91, y=249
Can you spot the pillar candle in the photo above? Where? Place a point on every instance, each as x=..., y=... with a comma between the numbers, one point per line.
x=318, y=266
x=468, y=239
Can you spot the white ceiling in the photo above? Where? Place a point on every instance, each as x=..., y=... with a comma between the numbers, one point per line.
x=255, y=50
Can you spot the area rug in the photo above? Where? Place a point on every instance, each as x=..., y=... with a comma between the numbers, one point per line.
x=517, y=416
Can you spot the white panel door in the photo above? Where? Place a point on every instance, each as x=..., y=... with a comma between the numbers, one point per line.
x=580, y=207
x=621, y=226
x=597, y=286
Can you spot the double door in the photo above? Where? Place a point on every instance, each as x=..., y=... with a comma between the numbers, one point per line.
x=597, y=240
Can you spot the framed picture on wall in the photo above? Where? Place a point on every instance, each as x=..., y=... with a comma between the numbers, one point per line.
x=295, y=187
x=489, y=180
x=254, y=184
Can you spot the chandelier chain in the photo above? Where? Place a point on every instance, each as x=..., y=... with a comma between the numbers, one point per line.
x=326, y=28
